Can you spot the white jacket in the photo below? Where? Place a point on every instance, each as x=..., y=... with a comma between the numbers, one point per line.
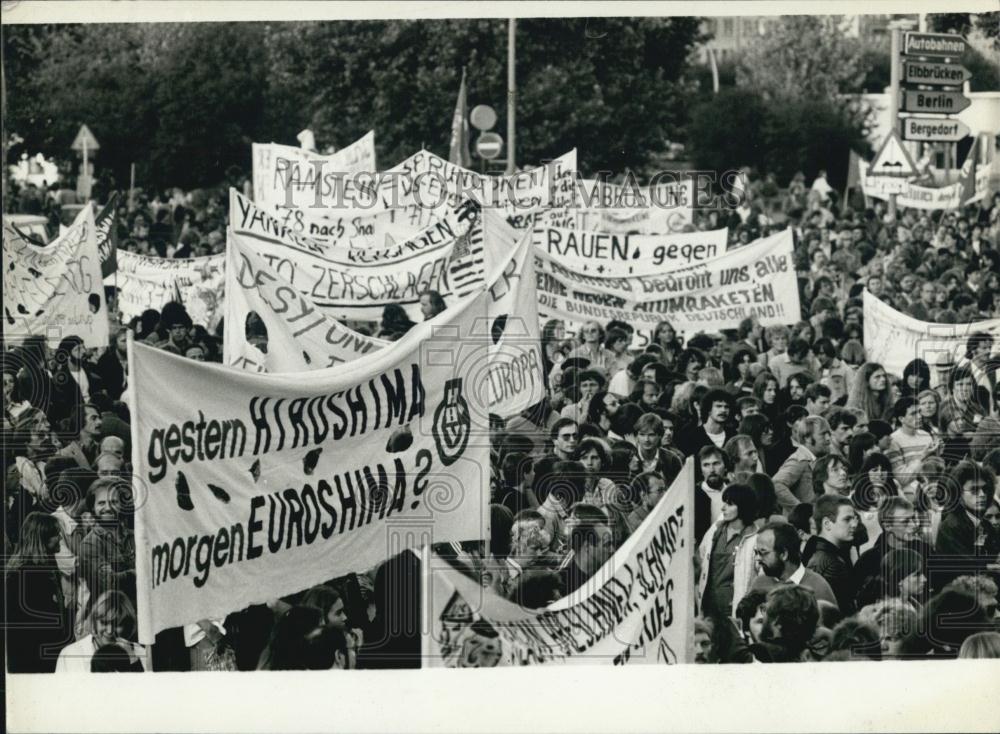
x=744, y=564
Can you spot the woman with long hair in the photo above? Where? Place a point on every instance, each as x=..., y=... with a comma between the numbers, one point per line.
x=616, y=344
x=37, y=620
x=395, y=322
x=112, y=621
x=870, y=391
x=916, y=378
x=765, y=389
x=859, y=448
x=743, y=381
x=758, y=428
x=602, y=409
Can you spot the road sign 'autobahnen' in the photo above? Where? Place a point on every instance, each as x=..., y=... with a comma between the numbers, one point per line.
x=945, y=45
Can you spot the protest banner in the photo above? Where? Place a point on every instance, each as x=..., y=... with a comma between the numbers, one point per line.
x=637, y=609
x=356, y=284
x=299, y=335
x=55, y=291
x=916, y=196
x=253, y=486
x=107, y=235
x=755, y=280
x=657, y=209
x=893, y=339
x=150, y=282
x=622, y=255
x=287, y=177
x=430, y=182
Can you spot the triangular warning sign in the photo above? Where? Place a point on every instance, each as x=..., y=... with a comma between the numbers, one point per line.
x=892, y=159
x=84, y=136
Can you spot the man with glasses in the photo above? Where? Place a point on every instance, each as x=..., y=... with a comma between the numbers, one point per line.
x=966, y=542
x=565, y=434
x=780, y=561
x=898, y=519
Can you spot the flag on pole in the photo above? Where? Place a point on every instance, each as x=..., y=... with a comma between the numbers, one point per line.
x=969, y=174
x=459, y=151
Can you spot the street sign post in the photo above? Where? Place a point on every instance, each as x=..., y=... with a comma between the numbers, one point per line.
x=483, y=117
x=489, y=145
x=85, y=143
x=930, y=72
x=934, y=45
x=940, y=103
x=934, y=129
x=892, y=160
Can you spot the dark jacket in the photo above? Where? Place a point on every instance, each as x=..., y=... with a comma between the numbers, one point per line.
x=834, y=564
x=956, y=553
x=112, y=373
x=37, y=622
x=867, y=571
x=695, y=438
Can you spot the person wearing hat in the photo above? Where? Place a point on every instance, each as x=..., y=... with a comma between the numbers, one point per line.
x=175, y=320
x=942, y=369
x=588, y=384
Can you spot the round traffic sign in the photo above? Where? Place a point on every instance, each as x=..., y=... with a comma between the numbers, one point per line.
x=489, y=145
x=483, y=117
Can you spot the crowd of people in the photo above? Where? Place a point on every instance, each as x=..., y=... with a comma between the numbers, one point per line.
x=841, y=511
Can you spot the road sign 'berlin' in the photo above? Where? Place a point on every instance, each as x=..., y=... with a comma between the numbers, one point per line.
x=942, y=103
x=927, y=72
x=934, y=129
x=943, y=45
x=892, y=159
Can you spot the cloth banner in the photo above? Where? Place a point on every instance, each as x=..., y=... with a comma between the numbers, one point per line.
x=927, y=197
x=150, y=282
x=757, y=279
x=893, y=339
x=253, y=486
x=107, y=235
x=348, y=283
x=286, y=177
x=55, y=291
x=622, y=255
x=637, y=609
x=299, y=335
x=430, y=182
x=613, y=208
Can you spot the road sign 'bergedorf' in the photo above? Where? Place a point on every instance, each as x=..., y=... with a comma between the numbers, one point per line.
x=489, y=145
x=941, y=103
x=929, y=72
x=937, y=45
x=934, y=129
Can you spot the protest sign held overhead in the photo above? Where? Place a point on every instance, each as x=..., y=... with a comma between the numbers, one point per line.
x=297, y=335
x=637, y=609
x=253, y=486
x=55, y=291
x=286, y=177
x=622, y=255
x=755, y=280
x=107, y=237
x=150, y=282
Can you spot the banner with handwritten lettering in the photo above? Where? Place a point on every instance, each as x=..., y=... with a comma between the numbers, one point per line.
x=356, y=284
x=637, y=609
x=151, y=282
x=622, y=255
x=287, y=177
x=253, y=486
x=297, y=335
x=755, y=280
x=55, y=291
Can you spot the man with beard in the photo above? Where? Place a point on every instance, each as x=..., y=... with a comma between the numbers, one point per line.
x=84, y=449
x=708, y=495
x=716, y=407
x=113, y=365
x=779, y=559
x=107, y=554
x=73, y=379
x=791, y=616
x=836, y=523
x=31, y=444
